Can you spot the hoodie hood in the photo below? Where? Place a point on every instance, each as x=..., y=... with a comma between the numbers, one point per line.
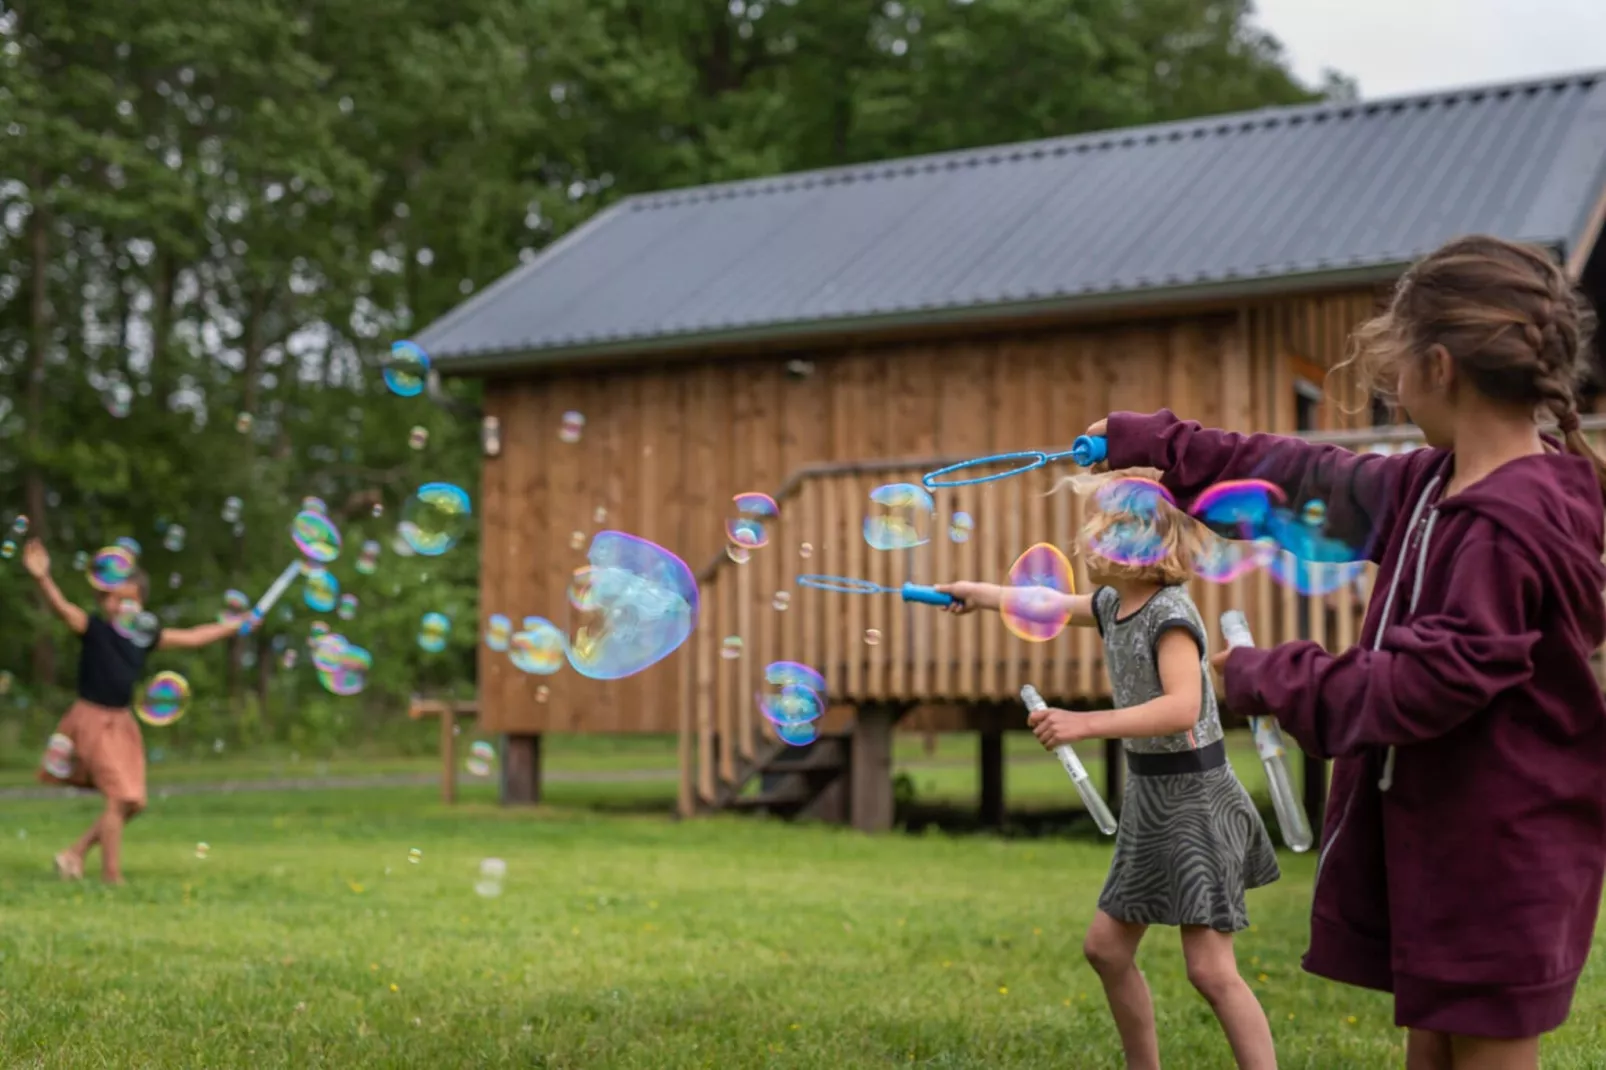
x=1551, y=504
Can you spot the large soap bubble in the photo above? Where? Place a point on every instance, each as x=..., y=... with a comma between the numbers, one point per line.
x=899, y=517
x=630, y=607
x=435, y=518
x=315, y=535
x=1032, y=608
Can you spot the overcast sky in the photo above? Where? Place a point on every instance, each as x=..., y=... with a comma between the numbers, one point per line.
x=1401, y=46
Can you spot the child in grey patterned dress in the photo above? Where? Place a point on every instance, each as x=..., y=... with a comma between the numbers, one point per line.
x=1190, y=840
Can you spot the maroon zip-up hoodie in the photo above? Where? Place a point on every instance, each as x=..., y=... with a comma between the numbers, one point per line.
x=1465, y=838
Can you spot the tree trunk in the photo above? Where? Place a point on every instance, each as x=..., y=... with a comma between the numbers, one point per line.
x=44, y=648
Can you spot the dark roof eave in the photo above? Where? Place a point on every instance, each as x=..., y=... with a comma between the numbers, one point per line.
x=490, y=362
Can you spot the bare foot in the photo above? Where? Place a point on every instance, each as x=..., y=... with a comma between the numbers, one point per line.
x=69, y=867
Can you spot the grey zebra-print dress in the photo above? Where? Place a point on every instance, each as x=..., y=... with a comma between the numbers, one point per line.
x=1188, y=844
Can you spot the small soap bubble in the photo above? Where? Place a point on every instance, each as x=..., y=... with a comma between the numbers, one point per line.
x=415, y=856
x=1314, y=514
x=577, y=540
x=318, y=629
x=741, y=555
x=288, y=659
x=871, y=637
x=131, y=545
x=781, y=600
x=243, y=422
x=543, y=693
x=435, y=518
x=498, y=632
x=314, y=504
x=406, y=369
x=173, y=538
x=8, y=549
x=377, y=511
x=19, y=526
x=320, y=589
x=174, y=581
x=899, y=517
x=316, y=536
x=236, y=606
x=238, y=530
x=58, y=759
x=136, y=624
x=805, y=551
x=599, y=515
x=217, y=746
x=570, y=427
x=166, y=698
x=348, y=606
x=368, y=558
x=731, y=648
x=537, y=648
x=120, y=400
x=433, y=630
x=754, y=514
x=481, y=759
x=418, y=438
x=80, y=561
x=231, y=510
x=202, y=850
x=960, y=527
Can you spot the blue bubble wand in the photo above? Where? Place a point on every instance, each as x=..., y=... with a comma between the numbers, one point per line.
x=273, y=594
x=911, y=592
x=1086, y=451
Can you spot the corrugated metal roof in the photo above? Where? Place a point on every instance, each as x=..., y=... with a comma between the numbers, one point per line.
x=1190, y=207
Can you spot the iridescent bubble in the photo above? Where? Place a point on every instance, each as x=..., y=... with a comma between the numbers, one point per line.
x=131, y=545
x=8, y=549
x=599, y=515
x=243, y=422
x=314, y=504
x=1313, y=577
x=320, y=590
x=433, y=630
x=164, y=700
x=1240, y=509
x=634, y=605
x=498, y=632
x=173, y=538
x=569, y=429
x=318, y=630
x=1222, y=561
x=1032, y=608
x=538, y=648
x=798, y=733
x=741, y=555
x=750, y=524
x=960, y=526
x=731, y=647
x=781, y=600
x=236, y=606
x=406, y=370
x=481, y=759
x=316, y=536
x=1314, y=514
x=368, y=558
x=415, y=856
x=577, y=540
x=231, y=510
x=112, y=567
x=348, y=607
x=792, y=693
x=899, y=517
x=80, y=561
x=418, y=437
x=805, y=551
x=288, y=658
x=58, y=759
x=342, y=666
x=202, y=850
x=19, y=526
x=435, y=518
x=872, y=636
x=543, y=693
x=136, y=624
x=1128, y=526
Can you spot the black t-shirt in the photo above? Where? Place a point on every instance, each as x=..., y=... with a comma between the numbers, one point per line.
x=109, y=665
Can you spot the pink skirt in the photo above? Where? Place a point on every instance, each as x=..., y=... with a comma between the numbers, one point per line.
x=108, y=753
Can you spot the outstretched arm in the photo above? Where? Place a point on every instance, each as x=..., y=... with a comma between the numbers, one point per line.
x=1429, y=676
x=201, y=635
x=1357, y=489
x=36, y=559
x=1177, y=710
x=969, y=596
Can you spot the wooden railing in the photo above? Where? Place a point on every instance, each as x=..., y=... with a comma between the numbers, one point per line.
x=917, y=654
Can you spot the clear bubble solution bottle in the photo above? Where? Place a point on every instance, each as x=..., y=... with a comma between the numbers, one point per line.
x=1091, y=799
x=1273, y=755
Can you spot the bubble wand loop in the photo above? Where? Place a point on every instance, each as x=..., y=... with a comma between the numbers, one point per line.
x=1086, y=451
x=273, y=594
x=1273, y=755
x=911, y=592
x=1097, y=809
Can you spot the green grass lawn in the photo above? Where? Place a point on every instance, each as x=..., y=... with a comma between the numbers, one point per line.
x=306, y=938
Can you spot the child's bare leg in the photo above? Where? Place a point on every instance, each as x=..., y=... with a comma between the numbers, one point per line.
x=1482, y=1053
x=1111, y=948
x=117, y=813
x=1213, y=969
x=1427, y=1050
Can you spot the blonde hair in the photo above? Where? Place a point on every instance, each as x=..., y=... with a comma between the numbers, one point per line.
x=1176, y=537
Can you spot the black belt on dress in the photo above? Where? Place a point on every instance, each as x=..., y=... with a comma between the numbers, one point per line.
x=1173, y=763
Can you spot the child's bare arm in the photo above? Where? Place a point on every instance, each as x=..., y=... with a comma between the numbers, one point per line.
x=36, y=559
x=970, y=596
x=1177, y=656
x=201, y=635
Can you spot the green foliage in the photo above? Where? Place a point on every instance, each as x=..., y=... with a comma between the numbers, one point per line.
x=225, y=207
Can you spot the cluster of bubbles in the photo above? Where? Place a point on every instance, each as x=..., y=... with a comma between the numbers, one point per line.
x=342, y=665
x=792, y=699
x=1261, y=529
x=899, y=517
x=8, y=545
x=481, y=760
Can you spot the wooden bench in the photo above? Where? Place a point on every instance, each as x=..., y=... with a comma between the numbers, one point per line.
x=448, y=710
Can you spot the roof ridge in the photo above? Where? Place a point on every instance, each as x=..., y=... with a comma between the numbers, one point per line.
x=1116, y=137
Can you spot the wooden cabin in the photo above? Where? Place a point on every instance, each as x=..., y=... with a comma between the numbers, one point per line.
x=813, y=336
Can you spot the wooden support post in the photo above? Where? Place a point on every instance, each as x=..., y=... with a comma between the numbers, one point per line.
x=992, y=777
x=521, y=771
x=448, y=755
x=1315, y=793
x=1114, y=773
x=870, y=768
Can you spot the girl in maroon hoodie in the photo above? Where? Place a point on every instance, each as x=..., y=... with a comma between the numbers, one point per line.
x=1465, y=839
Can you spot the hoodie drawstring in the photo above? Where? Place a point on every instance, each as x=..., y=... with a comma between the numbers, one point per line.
x=1386, y=781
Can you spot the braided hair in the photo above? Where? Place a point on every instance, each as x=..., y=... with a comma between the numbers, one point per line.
x=1507, y=313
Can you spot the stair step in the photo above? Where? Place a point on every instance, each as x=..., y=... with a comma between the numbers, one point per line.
x=793, y=793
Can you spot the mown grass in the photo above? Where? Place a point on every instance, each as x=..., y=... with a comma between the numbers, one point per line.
x=307, y=939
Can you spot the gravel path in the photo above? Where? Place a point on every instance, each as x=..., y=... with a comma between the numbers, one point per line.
x=329, y=783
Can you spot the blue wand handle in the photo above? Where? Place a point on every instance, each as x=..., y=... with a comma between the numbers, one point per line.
x=915, y=592
x=1089, y=450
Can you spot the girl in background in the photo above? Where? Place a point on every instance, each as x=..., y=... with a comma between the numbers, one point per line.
x=1466, y=828
x=1190, y=840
